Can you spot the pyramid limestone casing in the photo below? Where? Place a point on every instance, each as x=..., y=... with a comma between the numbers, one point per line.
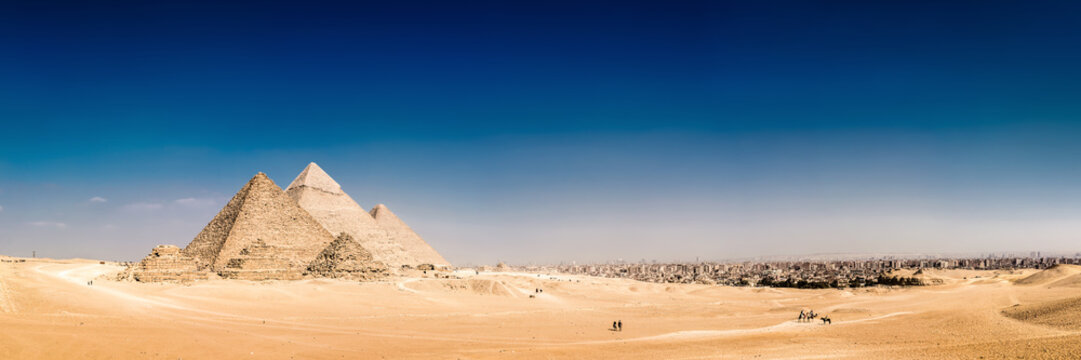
x=260, y=217
x=410, y=240
x=322, y=197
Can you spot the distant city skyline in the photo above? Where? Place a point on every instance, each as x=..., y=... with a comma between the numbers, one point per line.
x=547, y=132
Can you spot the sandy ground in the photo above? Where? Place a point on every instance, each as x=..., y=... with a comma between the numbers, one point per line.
x=48, y=311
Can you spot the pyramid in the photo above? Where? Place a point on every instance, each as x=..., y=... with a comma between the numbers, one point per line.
x=413, y=243
x=315, y=191
x=344, y=257
x=260, y=234
x=165, y=263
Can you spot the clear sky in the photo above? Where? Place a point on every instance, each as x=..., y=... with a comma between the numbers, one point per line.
x=547, y=131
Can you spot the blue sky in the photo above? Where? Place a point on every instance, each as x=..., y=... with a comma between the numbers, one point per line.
x=551, y=131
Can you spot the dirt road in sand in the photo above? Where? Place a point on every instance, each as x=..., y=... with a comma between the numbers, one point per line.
x=48, y=310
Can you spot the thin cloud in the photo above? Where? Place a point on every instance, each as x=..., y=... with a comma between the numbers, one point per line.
x=1, y=208
x=52, y=224
x=98, y=199
x=142, y=206
x=196, y=202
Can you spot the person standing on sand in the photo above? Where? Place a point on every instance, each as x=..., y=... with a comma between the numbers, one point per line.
x=620, y=323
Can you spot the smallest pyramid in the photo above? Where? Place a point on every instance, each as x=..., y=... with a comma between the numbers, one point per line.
x=344, y=257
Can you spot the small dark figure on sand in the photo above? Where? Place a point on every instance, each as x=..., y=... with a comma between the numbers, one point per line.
x=619, y=325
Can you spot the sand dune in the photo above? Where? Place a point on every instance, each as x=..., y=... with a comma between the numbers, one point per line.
x=49, y=312
x=1055, y=273
x=1067, y=281
x=1064, y=313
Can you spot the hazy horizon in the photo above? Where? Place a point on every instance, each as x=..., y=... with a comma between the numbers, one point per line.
x=552, y=132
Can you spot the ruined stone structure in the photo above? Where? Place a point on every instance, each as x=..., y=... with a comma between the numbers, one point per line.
x=380, y=232
x=345, y=258
x=166, y=263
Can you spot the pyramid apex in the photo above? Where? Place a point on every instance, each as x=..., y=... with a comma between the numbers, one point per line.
x=313, y=176
x=380, y=212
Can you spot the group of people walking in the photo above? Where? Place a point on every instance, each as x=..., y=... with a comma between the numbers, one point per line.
x=617, y=325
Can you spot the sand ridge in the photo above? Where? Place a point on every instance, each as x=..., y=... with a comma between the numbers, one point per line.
x=1056, y=273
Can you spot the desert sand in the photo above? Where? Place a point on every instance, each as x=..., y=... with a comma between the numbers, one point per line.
x=48, y=310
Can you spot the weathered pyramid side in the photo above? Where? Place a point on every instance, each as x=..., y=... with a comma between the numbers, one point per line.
x=207, y=245
x=316, y=192
x=271, y=219
x=344, y=257
x=414, y=245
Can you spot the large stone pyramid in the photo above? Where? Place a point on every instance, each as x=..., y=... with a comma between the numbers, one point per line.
x=260, y=234
x=315, y=191
x=410, y=240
